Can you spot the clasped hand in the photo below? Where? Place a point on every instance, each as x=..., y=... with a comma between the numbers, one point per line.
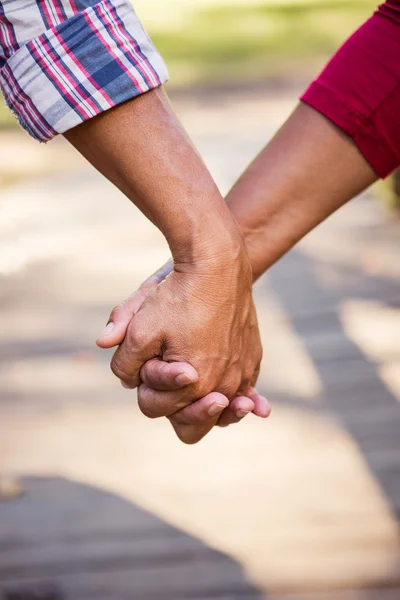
x=189, y=342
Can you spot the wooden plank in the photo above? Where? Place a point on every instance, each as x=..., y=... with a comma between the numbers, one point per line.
x=306, y=502
x=165, y=582
x=88, y=542
x=43, y=560
x=364, y=594
x=52, y=507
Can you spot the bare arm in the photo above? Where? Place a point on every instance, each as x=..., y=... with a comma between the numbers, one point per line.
x=304, y=174
x=141, y=147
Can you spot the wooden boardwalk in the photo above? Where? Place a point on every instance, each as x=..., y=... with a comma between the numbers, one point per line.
x=304, y=506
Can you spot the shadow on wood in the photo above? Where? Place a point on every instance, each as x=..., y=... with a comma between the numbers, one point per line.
x=78, y=542
x=352, y=387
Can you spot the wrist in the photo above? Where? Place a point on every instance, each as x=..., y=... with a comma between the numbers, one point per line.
x=210, y=239
x=220, y=271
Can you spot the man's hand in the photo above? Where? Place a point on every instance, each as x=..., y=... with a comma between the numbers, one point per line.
x=196, y=420
x=203, y=312
x=203, y=315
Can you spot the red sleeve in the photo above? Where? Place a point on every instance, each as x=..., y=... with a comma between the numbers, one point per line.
x=359, y=89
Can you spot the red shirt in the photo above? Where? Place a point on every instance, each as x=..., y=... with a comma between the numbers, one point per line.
x=359, y=89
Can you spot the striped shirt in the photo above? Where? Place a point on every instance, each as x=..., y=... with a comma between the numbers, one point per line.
x=63, y=62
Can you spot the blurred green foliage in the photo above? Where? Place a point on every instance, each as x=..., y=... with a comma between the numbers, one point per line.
x=388, y=191
x=7, y=119
x=242, y=42
x=250, y=41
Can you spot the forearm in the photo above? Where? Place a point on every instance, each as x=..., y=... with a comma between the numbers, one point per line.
x=305, y=173
x=311, y=167
x=141, y=147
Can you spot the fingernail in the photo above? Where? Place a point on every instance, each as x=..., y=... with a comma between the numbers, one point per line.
x=183, y=379
x=242, y=413
x=107, y=330
x=125, y=385
x=215, y=409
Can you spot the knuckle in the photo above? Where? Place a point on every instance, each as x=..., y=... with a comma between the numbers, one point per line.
x=146, y=375
x=230, y=386
x=157, y=371
x=256, y=374
x=179, y=419
x=120, y=369
x=247, y=376
x=187, y=435
x=236, y=381
x=244, y=388
x=246, y=379
x=146, y=408
x=138, y=337
x=180, y=399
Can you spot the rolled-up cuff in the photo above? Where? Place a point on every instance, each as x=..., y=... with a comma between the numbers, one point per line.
x=366, y=132
x=80, y=68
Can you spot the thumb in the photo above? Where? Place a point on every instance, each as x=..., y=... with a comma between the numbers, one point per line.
x=117, y=325
x=120, y=317
x=163, y=376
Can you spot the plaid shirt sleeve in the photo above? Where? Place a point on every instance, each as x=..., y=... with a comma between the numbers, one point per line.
x=64, y=61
